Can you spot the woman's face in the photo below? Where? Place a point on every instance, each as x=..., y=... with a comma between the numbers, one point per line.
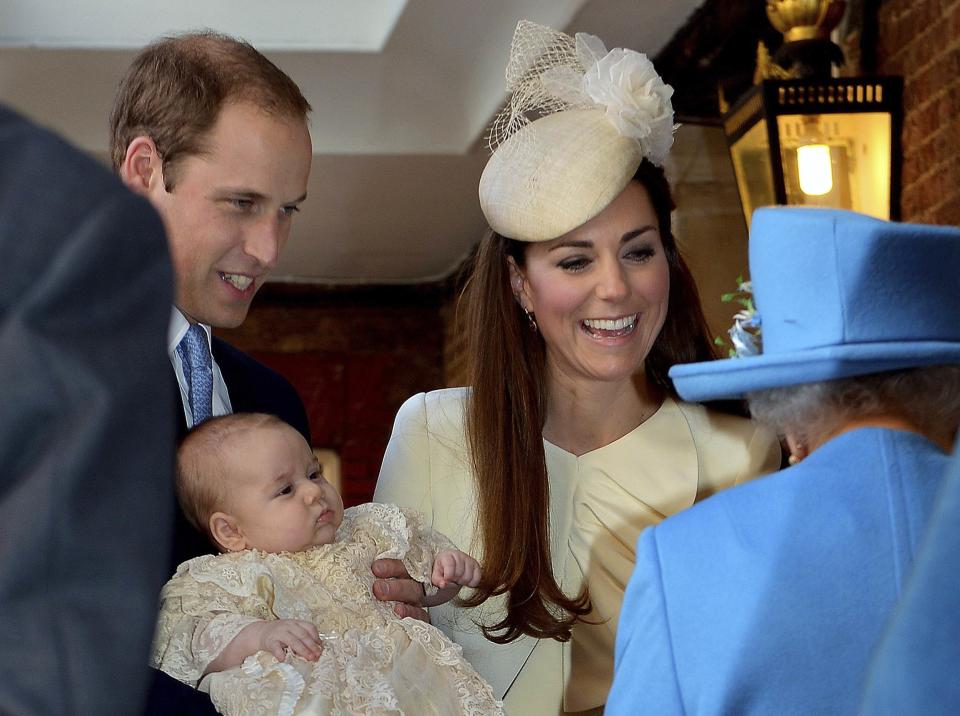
x=599, y=293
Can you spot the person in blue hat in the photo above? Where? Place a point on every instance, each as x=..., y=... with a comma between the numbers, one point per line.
x=771, y=598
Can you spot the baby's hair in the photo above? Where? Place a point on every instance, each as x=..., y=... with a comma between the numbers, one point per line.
x=201, y=478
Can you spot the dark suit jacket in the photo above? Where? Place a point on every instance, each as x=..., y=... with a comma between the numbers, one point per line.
x=255, y=388
x=85, y=439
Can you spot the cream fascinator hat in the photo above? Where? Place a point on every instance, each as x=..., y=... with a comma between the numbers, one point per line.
x=601, y=114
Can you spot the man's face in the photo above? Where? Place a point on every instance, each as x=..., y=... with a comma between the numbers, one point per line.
x=228, y=214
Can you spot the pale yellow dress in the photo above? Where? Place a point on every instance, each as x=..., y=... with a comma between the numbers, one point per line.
x=599, y=503
x=372, y=661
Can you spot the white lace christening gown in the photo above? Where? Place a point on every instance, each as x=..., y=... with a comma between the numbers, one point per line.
x=372, y=661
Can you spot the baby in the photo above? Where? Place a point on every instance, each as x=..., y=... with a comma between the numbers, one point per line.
x=284, y=620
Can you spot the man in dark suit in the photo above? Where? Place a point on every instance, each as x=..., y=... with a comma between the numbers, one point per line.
x=85, y=437
x=215, y=136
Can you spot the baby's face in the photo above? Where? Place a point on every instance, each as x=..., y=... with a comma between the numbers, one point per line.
x=277, y=495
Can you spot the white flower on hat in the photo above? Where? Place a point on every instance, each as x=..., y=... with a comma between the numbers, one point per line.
x=551, y=72
x=637, y=101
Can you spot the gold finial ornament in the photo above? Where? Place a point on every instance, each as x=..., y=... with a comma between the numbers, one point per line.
x=805, y=19
x=767, y=69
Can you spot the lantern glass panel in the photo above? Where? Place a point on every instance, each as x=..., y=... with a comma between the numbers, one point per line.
x=859, y=159
x=751, y=165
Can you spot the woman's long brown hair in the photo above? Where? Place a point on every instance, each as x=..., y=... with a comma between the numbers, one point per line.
x=505, y=416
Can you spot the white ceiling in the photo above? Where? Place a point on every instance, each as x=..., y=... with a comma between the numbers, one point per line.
x=321, y=25
x=402, y=92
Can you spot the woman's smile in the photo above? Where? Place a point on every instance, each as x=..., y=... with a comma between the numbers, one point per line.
x=601, y=328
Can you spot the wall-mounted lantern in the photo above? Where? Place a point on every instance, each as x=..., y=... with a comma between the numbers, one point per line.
x=811, y=138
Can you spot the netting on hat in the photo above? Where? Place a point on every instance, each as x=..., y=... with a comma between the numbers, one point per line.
x=538, y=55
x=549, y=71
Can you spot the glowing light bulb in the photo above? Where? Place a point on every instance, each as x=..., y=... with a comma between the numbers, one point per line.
x=813, y=164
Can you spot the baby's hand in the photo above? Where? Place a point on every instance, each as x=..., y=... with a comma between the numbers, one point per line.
x=300, y=637
x=454, y=567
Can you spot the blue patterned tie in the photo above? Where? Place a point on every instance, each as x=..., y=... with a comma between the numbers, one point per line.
x=197, y=369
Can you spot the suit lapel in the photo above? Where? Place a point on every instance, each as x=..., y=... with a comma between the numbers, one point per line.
x=179, y=419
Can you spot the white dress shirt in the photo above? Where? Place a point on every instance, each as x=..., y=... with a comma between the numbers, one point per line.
x=221, y=398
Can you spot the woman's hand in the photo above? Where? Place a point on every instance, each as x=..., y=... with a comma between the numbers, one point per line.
x=395, y=585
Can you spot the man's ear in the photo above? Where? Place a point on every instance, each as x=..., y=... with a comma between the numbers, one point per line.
x=226, y=533
x=518, y=284
x=142, y=166
x=797, y=445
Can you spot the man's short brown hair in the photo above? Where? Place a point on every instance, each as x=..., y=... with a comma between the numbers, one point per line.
x=175, y=88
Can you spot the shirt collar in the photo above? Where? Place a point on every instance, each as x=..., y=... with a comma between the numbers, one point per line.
x=178, y=328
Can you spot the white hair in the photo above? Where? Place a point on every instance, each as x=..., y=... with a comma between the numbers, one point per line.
x=928, y=398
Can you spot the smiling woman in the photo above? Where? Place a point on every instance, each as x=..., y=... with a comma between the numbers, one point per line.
x=572, y=439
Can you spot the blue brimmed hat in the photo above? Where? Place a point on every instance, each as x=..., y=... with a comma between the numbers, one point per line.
x=839, y=294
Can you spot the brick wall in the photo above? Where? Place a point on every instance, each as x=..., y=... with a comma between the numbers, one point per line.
x=354, y=355
x=920, y=40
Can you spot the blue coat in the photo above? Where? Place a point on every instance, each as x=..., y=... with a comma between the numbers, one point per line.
x=769, y=598
x=916, y=668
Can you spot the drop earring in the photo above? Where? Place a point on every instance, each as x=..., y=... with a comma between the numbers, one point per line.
x=517, y=289
x=531, y=319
